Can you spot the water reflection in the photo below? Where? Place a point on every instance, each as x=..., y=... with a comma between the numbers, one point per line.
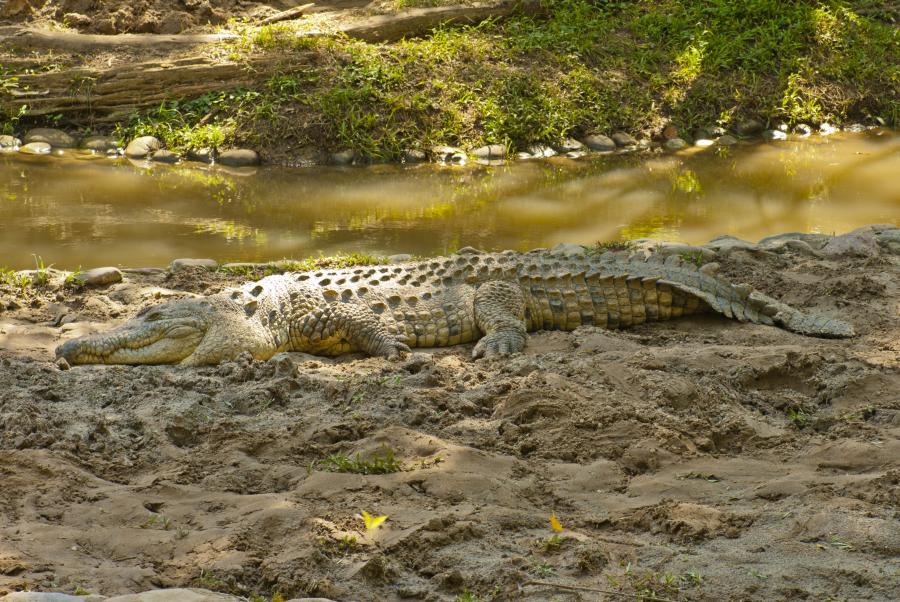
x=76, y=212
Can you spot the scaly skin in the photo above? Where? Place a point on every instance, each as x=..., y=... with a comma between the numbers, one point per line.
x=494, y=299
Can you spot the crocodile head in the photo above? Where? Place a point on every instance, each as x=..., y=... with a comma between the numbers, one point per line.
x=160, y=334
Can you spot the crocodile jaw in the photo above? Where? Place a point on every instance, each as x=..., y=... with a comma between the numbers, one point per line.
x=157, y=336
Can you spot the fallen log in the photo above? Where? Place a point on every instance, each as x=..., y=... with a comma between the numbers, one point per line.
x=287, y=15
x=110, y=94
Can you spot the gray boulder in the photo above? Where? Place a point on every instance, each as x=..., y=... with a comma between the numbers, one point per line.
x=858, y=243
x=9, y=143
x=99, y=277
x=100, y=144
x=448, y=154
x=774, y=135
x=53, y=137
x=540, y=151
x=178, y=264
x=675, y=144
x=624, y=139
x=729, y=243
x=36, y=148
x=568, y=145
x=568, y=249
x=202, y=155
x=176, y=595
x=726, y=140
x=239, y=157
x=490, y=152
x=344, y=157
x=141, y=148
x=599, y=142
x=803, y=130
x=816, y=241
x=749, y=127
x=414, y=155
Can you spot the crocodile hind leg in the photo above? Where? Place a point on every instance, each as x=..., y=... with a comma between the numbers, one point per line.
x=500, y=315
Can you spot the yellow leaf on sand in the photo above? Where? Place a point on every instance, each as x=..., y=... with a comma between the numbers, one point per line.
x=555, y=524
x=372, y=522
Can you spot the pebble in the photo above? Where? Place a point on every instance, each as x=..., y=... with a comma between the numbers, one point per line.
x=568, y=145
x=414, y=155
x=344, y=157
x=100, y=144
x=140, y=148
x=564, y=248
x=164, y=156
x=773, y=135
x=750, y=127
x=675, y=144
x=726, y=140
x=448, y=154
x=239, y=157
x=490, y=152
x=187, y=262
x=51, y=136
x=859, y=243
x=541, y=150
x=202, y=155
x=100, y=276
x=9, y=142
x=624, y=139
x=36, y=148
x=599, y=142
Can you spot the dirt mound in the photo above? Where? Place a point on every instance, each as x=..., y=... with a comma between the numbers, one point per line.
x=137, y=16
x=699, y=459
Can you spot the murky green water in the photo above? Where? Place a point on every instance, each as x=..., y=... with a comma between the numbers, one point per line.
x=82, y=211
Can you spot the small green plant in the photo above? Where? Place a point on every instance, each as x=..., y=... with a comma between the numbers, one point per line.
x=80, y=591
x=693, y=258
x=15, y=279
x=798, y=417
x=467, y=596
x=549, y=545
x=157, y=521
x=611, y=246
x=74, y=280
x=381, y=462
x=42, y=273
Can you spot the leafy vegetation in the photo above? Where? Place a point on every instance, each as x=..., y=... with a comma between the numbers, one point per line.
x=381, y=462
x=587, y=66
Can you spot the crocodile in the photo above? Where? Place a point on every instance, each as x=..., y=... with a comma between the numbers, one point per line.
x=492, y=299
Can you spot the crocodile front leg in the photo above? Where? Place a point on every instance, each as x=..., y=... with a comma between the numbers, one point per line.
x=341, y=328
x=500, y=315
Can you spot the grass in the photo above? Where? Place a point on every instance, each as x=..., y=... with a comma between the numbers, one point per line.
x=381, y=462
x=309, y=264
x=588, y=66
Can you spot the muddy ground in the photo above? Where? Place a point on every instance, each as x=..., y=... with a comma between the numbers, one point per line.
x=699, y=459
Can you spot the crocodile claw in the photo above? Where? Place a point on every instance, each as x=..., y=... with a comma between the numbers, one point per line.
x=499, y=343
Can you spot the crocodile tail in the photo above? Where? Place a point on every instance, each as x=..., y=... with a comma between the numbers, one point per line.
x=743, y=303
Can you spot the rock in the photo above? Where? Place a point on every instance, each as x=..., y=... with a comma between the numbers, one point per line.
x=490, y=152
x=703, y=134
x=575, y=154
x=9, y=143
x=802, y=130
x=826, y=129
x=62, y=363
x=100, y=144
x=209, y=264
x=666, y=248
x=344, y=157
x=140, y=148
x=599, y=142
x=859, y=243
x=414, y=155
x=448, y=154
x=175, y=595
x=568, y=249
x=675, y=144
x=399, y=258
x=175, y=22
x=310, y=600
x=568, y=145
x=729, y=243
x=239, y=157
x=77, y=20
x=774, y=135
x=669, y=132
x=99, y=277
x=36, y=148
x=855, y=128
x=704, y=142
x=798, y=246
x=750, y=127
x=624, y=139
x=164, y=156
x=48, y=597
x=540, y=150
x=816, y=241
x=726, y=140
x=468, y=251
x=202, y=155
x=53, y=137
